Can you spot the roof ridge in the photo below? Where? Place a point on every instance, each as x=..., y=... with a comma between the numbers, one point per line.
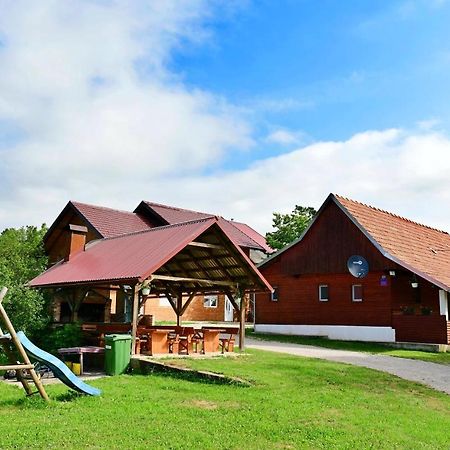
x=176, y=208
x=164, y=227
x=103, y=207
x=397, y=216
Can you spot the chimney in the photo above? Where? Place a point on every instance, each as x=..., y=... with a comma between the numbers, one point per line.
x=76, y=240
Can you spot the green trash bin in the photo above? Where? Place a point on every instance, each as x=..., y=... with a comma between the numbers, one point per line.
x=117, y=353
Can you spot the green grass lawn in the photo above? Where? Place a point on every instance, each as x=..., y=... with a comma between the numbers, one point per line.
x=369, y=347
x=293, y=403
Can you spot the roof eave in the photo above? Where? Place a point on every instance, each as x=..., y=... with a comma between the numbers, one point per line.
x=383, y=251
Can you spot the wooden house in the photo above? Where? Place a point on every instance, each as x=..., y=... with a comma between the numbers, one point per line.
x=403, y=296
x=80, y=224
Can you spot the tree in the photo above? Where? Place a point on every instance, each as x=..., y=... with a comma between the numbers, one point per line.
x=22, y=257
x=289, y=227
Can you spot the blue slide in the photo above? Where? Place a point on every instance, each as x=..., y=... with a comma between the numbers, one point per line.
x=60, y=370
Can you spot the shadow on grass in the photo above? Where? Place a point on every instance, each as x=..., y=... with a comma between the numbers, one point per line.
x=195, y=376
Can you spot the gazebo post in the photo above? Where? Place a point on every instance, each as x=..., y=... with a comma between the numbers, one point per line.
x=179, y=307
x=134, y=318
x=243, y=310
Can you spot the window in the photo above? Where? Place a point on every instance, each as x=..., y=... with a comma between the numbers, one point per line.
x=323, y=293
x=210, y=301
x=275, y=294
x=357, y=293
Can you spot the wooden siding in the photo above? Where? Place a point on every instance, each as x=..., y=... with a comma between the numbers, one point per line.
x=327, y=246
x=57, y=244
x=432, y=329
x=299, y=301
x=321, y=258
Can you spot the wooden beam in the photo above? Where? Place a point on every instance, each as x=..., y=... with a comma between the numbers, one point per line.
x=17, y=367
x=187, y=303
x=171, y=301
x=192, y=280
x=12, y=359
x=205, y=245
x=23, y=354
x=3, y=293
x=233, y=302
x=134, y=318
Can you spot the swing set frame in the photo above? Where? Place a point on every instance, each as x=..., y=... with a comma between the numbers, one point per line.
x=13, y=348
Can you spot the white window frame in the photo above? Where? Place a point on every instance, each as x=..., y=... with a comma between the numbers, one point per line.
x=209, y=299
x=320, y=293
x=357, y=300
x=275, y=294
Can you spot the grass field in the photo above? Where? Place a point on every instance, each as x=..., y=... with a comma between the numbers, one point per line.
x=369, y=347
x=293, y=403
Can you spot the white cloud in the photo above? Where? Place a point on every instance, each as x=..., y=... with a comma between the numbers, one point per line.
x=403, y=172
x=285, y=137
x=104, y=121
x=86, y=84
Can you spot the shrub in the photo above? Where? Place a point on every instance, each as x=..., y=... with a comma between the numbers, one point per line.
x=68, y=335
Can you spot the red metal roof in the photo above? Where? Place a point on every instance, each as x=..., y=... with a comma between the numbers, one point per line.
x=128, y=257
x=253, y=234
x=242, y=234
x=173, y=215
x=421, y=249
x=132, y=257
x=112, y=222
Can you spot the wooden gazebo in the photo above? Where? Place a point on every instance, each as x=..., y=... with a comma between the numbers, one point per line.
x=177, y=261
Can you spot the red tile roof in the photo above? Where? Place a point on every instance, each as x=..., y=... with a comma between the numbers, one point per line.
x=242, y=234
x=132, y=257
x=421, y=249
x=111, y=222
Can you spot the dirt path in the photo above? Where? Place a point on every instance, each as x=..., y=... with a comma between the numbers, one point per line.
x=434, y=375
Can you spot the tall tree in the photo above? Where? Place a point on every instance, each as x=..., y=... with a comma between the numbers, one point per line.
x=22, y=257
x=289, y=227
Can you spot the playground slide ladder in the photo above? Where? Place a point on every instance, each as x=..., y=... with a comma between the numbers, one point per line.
x=26, y=365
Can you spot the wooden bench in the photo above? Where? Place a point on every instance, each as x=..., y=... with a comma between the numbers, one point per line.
x=227, y=339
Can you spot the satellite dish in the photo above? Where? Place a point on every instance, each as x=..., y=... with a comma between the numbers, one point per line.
x=358, y=266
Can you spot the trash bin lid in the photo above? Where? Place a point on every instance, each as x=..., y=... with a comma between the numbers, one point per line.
x=118, y=337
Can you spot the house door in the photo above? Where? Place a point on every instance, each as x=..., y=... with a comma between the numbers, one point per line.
x=229, y=310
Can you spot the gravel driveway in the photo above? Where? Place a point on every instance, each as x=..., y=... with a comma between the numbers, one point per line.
x=434, y=375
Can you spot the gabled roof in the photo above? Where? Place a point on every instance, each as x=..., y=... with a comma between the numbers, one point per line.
x=171, y=214
x=419, y=248
x=133, y=257
x=423, y=250
x=106, y=222
x=112, y=222
x=241, y=233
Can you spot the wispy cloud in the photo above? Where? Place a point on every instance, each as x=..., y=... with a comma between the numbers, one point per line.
x=286, y=137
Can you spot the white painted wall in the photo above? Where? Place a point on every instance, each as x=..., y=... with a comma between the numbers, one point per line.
x=338, y=332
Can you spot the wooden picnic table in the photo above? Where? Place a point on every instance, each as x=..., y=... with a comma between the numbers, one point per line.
x=80, y=351
x=156, y=339
x=211, y=339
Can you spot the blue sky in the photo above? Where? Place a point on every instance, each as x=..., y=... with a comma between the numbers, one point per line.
x=339, y=67
x=240, y=108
